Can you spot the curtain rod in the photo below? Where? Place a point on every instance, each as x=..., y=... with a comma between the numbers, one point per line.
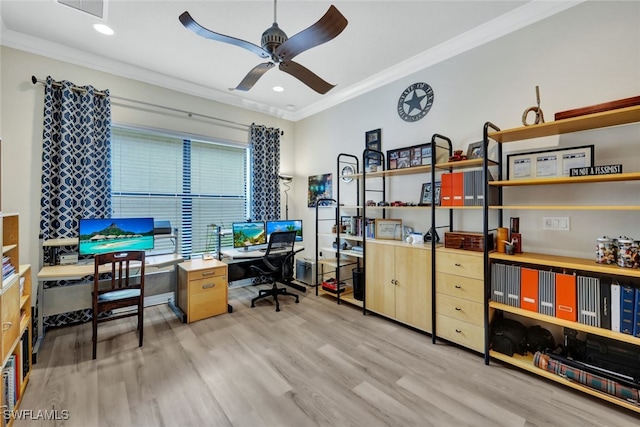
x=35, y=80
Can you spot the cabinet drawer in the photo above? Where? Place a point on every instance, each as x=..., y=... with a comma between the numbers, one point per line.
x=460, y=264
x=463, y=333
x=461, y=309
x=10, y=317
x=208, y=273
x=460, y=286
x=207, y=297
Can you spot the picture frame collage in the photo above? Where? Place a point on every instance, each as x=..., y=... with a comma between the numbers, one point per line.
x=417, y=155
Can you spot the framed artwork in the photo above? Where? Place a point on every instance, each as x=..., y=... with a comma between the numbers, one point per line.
x=548, y=163
x=426, y=194
x=475, y=150
x=373, y=141
x=320, y=187
x=418, y=155
x=388, y=229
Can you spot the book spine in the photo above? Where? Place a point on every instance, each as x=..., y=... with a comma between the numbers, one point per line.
x=628, y=298
x=615, y=306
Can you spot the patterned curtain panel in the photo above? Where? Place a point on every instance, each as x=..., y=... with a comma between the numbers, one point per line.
x=76, y=165
x=265, y=164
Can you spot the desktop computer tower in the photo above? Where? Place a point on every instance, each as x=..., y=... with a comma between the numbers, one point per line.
x=306, y=272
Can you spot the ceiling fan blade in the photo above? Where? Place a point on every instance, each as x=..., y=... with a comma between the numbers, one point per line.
x=306, y=76
x=252, y=76
x=192, y=25
x=328, y=27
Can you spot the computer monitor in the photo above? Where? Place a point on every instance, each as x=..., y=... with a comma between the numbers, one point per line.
x=285, y=225
x=100, y=235
x=248, y=234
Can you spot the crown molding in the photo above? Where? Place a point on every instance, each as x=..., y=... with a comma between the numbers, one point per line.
x=514, y=20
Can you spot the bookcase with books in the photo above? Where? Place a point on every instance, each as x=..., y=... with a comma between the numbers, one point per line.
x=15, y=312
x=599, y=300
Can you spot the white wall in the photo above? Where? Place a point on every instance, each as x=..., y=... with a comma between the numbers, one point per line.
x=586, y=55
x=21, y=126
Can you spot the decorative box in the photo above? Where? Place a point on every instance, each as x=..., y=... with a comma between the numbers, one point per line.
x=469, y=241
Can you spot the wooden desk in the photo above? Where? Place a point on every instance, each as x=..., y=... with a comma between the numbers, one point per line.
x=77, y=296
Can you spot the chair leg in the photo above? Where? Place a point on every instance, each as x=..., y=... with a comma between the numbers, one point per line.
x=141, y=323
x=94, y=339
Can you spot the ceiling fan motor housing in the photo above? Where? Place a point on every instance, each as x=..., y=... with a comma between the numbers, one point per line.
x=272, y=38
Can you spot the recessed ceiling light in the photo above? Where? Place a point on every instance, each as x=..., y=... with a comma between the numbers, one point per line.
x=101, y=28
x=278, y=88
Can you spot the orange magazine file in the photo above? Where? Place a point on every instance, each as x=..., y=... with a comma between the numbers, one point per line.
x=566, y=297
x=445, y=190
x=529, y=289
x=457, y=189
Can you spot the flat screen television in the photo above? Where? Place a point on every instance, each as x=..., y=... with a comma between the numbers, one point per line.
x=100, y=235
x=285, y=225
x=248, y=234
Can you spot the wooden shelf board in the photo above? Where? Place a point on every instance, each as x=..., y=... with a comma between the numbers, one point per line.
x=568, y=207
x=9, y=280
x=616, y=117
x=459, y=207
x=72, y=241
x=350, y=207
x=464, y=164
x=334, y=262
x=346, y=296
x=398, y=207
x=23, y=268
x=23, y=300
x=7, y=248
x=567, y=262
x=526, y=363
x=617, y=177
x=24, y=323
x=618, y=336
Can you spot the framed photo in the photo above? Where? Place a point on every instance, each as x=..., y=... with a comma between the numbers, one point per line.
x=426, y=194
x=475, y=150
x=388, y=229
x=372, y=141
x=548, y=163
x=320, y=187
x=417, y=155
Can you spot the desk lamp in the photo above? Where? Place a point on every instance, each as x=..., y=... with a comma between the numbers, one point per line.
x=286, y=180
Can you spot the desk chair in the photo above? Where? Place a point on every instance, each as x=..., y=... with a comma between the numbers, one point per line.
x=278, y=265
x=121, y=293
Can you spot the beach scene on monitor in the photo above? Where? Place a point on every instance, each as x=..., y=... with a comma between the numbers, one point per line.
x=247, y=234
x=97, y=236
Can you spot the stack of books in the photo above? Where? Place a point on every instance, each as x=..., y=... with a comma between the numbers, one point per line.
x=7, y=268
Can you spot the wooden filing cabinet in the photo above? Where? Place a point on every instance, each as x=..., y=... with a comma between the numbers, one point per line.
x=202, y=289
x=460, y=297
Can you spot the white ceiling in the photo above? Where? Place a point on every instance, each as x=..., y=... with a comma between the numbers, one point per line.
x=384, y=41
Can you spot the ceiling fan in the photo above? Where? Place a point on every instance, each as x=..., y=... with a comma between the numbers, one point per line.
x=279, y=48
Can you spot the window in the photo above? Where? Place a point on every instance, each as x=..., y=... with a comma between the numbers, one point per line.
x=192, y=183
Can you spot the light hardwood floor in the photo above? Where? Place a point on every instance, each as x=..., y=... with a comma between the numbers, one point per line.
x=312, y=364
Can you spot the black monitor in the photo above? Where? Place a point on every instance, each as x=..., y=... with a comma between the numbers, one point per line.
x=285, y=225
x=248, y=234
x=100, y=235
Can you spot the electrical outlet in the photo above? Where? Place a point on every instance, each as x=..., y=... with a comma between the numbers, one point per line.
x=556, y=223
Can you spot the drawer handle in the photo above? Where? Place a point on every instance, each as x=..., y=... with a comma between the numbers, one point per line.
x=458, y=309
x=394, y=282
x=208, y=273
x=458, y=331
x=208, y=285
x=457, y=264
x=6, y=326
x=458, y=287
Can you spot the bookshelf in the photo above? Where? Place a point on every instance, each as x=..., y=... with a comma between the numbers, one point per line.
x=15, y=311
x=549, y=262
